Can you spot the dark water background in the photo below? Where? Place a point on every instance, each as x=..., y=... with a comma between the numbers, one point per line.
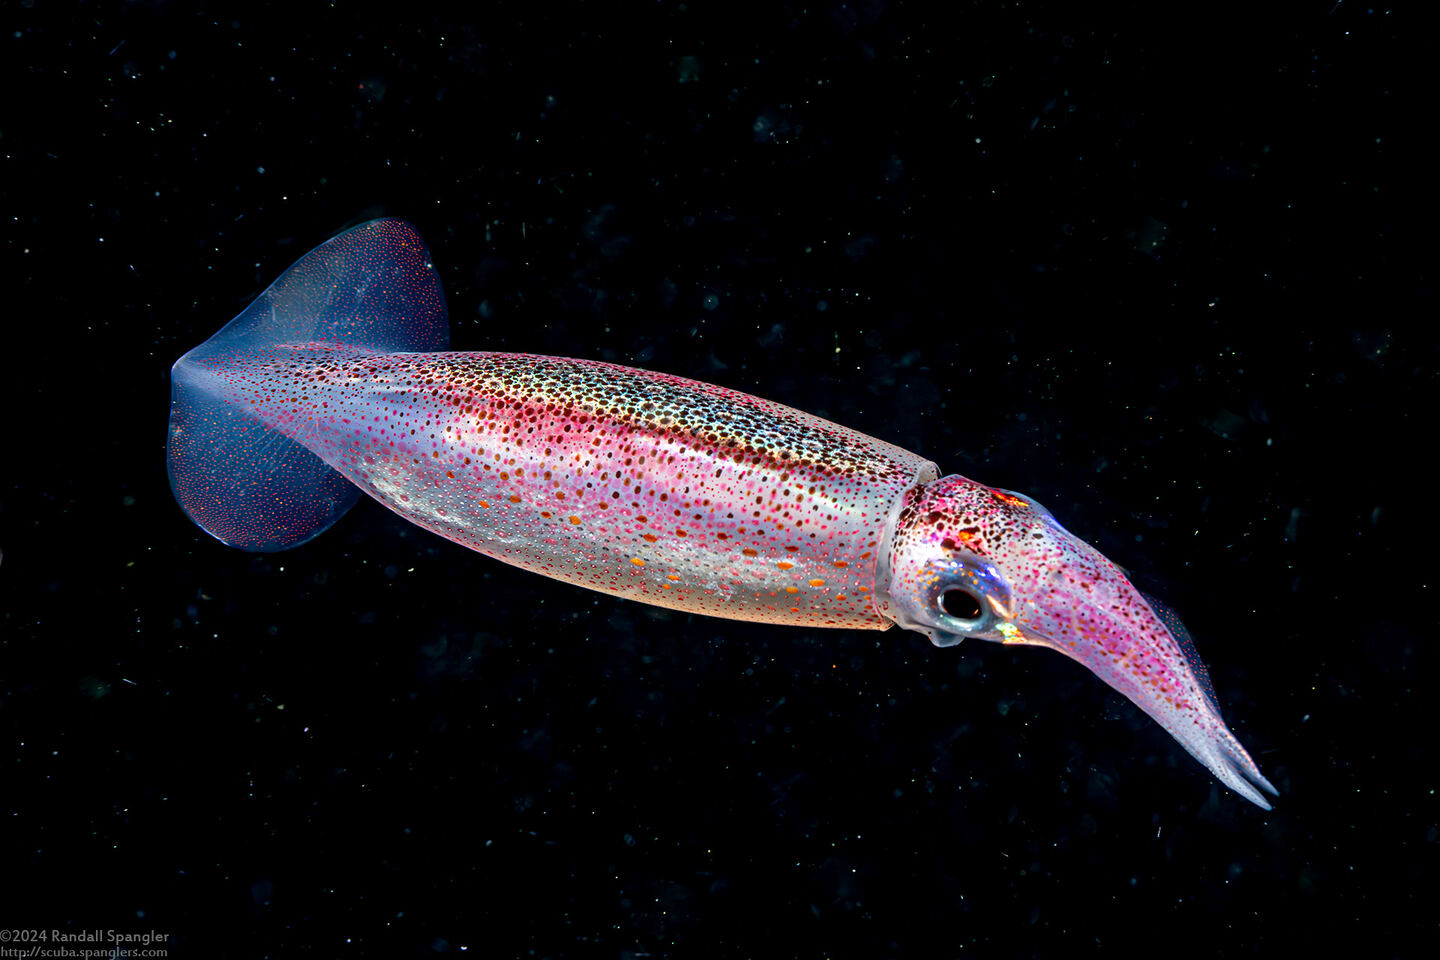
x=1168, y=272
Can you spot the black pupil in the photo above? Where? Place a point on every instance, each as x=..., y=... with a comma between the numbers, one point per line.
x=960, y=604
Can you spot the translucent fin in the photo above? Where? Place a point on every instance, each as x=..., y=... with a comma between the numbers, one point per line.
x=1182, y=636
x=373, y=288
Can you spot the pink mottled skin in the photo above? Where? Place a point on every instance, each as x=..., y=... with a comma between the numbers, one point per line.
x=642, y=485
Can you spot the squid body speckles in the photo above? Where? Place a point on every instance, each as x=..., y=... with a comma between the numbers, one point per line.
x=643, y=485
x=335, y=381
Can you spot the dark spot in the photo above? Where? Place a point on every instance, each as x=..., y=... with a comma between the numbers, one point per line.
x=960, y=604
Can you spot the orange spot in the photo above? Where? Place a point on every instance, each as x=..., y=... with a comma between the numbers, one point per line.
x=839, y=596
x=784, y=565
x=792, y=589
x=484, y=504
x=651, y=537
x=545, y=514
x=794, y=609
x=514, y=499
x=841, y=563
x=450, y=474
x=750, y=553
x=637, y=561
x=680, y=533
x=575, y=520
x=817, y=583
x=671, y=576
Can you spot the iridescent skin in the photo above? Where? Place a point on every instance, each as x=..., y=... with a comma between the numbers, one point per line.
x=642, y=485
x=637, y=484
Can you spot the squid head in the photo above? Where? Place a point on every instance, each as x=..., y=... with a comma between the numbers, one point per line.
x=967, y=560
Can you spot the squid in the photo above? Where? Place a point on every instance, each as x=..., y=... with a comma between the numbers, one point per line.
x=337, y=381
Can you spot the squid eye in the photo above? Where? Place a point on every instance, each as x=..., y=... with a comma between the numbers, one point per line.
x=960, y=604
